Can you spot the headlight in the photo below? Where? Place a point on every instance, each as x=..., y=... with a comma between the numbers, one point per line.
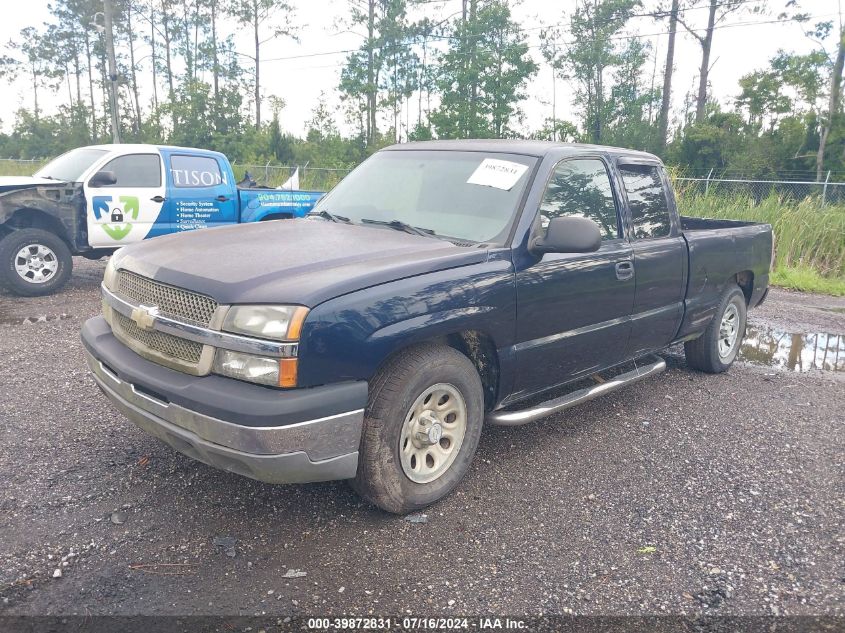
x=247, y=367
x=110, y=276
x=282, y=323
x=276, y=372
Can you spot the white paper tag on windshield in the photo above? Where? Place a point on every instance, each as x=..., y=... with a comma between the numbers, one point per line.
x=501, y=174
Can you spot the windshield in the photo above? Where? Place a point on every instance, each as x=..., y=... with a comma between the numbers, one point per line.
x=469, y=196
x=71, y=165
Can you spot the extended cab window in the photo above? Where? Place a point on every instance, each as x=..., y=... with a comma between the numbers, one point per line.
x=135, y=170
x=581, y=188
x=647, y=200
x=195, y=171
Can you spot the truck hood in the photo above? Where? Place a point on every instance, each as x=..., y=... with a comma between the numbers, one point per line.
x=12, y=183
x=302, y=262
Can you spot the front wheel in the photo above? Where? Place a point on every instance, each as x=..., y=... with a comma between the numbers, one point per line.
x=34, y=262
x=715, y=350
x=421, y=429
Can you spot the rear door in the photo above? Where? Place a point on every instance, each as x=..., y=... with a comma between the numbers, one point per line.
x=130, y=210
x=574, y=308
x=200, y=194
x=660, y=257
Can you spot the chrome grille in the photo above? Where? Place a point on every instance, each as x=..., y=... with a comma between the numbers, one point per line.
x=176, y=303
x=171, y=346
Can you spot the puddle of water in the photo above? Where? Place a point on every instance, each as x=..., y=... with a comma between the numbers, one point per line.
x=793, y=352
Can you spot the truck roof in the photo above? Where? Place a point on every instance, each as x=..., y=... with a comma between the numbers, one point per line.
x=132, y=148
x=517, y=146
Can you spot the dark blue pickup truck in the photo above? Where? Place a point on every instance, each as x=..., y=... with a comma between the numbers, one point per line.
x=440, y=286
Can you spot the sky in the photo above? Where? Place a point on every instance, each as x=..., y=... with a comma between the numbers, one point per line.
x=299, y=72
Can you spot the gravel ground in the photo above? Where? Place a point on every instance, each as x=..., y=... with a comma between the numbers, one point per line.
x=687, y=493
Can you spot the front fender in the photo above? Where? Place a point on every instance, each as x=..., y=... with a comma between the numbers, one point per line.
x=58, y=207
x=428, y=326
x=349, y=337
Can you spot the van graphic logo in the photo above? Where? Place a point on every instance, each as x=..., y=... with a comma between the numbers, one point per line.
x=116, y=215
x=145, y=316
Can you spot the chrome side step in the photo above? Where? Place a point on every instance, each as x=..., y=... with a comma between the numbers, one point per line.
x=516, y=418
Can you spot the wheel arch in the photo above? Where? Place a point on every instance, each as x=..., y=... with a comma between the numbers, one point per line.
x=745, y=280
x=478, y=346
x=34, y=218
x=481, y=350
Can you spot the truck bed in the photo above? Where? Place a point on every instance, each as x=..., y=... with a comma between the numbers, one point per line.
x=717, y=250
x=689, y=223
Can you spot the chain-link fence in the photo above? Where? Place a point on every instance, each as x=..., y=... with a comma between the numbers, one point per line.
x=324, y=178
x=310, y=178
x=826, y=191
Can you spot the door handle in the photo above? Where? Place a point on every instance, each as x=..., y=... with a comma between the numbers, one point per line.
x=624, y=270
x=158, y=198
x=222, y=198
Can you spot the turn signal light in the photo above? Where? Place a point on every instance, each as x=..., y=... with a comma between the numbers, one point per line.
x=287, y=372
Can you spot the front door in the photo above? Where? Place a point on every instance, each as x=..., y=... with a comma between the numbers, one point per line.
x=201, y=196
x=129, y=210
x=573, y=309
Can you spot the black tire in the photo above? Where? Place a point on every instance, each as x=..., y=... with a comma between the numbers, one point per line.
x=381, y=478
x=703, y=353
x=12, y=244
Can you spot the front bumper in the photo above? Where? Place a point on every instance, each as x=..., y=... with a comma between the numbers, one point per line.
x=275, y=436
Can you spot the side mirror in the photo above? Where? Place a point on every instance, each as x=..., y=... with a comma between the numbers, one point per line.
x=102, y=179
x=568, y=234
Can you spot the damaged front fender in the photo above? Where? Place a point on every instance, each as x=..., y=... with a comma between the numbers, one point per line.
x=58, y=207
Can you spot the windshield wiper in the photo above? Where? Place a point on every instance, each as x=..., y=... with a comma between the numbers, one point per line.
x=401, y=226
x=330, y=216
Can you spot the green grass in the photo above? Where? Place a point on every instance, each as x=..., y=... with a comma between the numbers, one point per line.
x=808, y=280
x=19, y=168
x=810, y=238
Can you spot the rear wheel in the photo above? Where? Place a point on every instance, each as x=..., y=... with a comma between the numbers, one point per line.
x=715, y=350
x=421, y=428
x=34, y=262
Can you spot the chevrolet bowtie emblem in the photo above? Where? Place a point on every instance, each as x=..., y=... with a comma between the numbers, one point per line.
x=144, y=316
